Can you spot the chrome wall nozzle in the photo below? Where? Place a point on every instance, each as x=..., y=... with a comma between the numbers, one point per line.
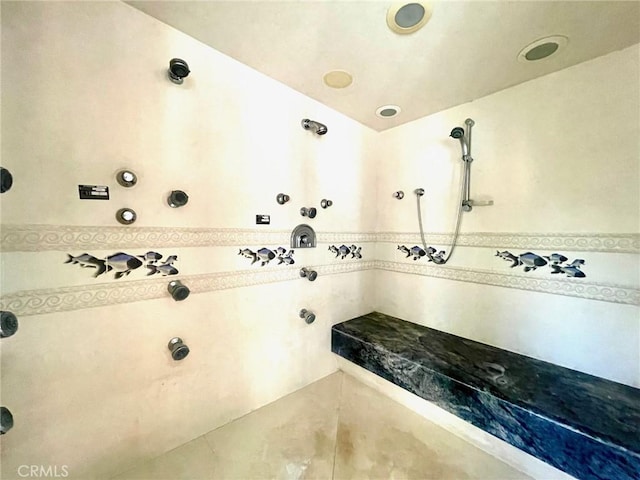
x=317, y=127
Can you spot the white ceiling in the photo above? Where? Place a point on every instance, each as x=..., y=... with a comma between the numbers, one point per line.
x=466, y=51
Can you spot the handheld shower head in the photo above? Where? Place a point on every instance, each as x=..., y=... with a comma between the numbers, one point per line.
x=458, y=133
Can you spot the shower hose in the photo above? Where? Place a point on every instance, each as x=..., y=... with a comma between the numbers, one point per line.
x=454, y=240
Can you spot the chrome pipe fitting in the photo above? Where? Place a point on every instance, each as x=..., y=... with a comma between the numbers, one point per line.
x=308, y=316
x=309, y=274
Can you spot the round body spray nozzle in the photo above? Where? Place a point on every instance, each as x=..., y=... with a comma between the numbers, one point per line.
x=178, y=291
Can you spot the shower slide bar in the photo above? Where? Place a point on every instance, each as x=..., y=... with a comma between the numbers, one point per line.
x=465, y=203
x=465, y=142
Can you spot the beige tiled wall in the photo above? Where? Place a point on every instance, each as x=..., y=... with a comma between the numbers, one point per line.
x=88, y=377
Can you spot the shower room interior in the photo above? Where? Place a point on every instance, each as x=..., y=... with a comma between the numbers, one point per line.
x=209, y=271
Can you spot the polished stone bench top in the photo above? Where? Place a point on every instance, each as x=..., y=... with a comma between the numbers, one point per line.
x=555, y=413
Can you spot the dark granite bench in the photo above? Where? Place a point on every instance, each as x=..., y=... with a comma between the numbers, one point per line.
x=584, y=425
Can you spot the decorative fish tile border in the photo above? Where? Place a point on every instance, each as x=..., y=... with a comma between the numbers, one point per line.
x=123, y=263
x=36, y=238
x=532, y=261
x=432, y=254
x=529, y=260
x=575, y=242
x=265, y=255
x=342, y=251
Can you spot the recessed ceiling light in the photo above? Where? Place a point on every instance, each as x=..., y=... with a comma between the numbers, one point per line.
x=388, y=111
x=337, y=79
x=407, y=18
x=542, y=48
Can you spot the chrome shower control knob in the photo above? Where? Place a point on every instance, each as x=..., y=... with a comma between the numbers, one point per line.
x=126, y=216
x=126, y=178
x=178, y=349
x=324, y=203
x=310, y=275
x=303, y=236
x=399, y=194
x=8, y=324
x=308, y=316
x=282, y=198
x=308, y=212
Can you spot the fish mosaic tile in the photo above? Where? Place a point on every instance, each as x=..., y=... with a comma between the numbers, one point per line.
x=265, y=255
x=556, y=262
x=342, y=251
x=432, y=254
x=123, y=263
